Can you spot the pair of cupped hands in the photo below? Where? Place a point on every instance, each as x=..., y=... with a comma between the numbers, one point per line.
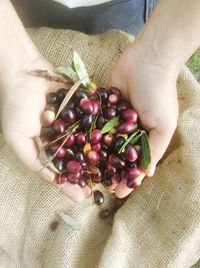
x=150, y=89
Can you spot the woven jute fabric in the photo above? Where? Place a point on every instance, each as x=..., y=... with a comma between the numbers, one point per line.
x=158, y=227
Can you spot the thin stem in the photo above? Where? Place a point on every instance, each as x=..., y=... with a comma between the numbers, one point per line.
x=45, y=74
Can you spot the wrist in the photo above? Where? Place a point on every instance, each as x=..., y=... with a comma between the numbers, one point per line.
x=152, y=53
x=17, y=50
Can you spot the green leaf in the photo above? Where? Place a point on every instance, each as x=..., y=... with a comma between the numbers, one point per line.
x=70, y=221
x=67, y=71
x=80, y=69
x=135, y=135
x=110, y=124
x=145, y=151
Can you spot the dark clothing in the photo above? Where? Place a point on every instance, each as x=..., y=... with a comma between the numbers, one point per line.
x=125, y=15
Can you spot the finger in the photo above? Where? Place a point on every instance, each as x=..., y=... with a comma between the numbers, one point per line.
x=159, y=140
x=27, y=152
x=73, y=191
x=122, y=190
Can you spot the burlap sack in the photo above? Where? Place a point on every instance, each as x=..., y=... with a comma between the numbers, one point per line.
x=159, y=224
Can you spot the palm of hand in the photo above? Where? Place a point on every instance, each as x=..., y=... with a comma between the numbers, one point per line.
x=24, y=101
x=152, y=92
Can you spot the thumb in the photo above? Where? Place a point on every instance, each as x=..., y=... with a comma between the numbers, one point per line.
x=159, y=139
x=27, y=151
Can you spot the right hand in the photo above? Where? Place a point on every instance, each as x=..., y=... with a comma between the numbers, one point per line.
x=152, y=92
x=23, y=101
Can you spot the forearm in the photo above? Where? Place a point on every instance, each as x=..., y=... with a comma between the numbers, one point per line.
x=16, y=48
x=171, y=35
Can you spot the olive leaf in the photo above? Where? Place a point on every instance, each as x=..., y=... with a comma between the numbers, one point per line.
x=145, y=151
x=70, y=221
x=68, y=96
x=67, y=71
x=110, y=124
x=136, y=135
x=80, y=69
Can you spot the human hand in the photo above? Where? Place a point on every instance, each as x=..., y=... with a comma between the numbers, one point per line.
x=152, y=92
x=23, y=101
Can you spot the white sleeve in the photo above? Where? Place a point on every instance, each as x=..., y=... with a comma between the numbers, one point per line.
x=79, y=3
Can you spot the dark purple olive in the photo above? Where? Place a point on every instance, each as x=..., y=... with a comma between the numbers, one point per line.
x=103, y=153
x=118, y=142
x=129, y=115
x=59, y=125
x=101, y=121
x=69, y=115
x=82, y=181
x=107, y=181
x=105, y=213
x=126, y=128
x=52, y=98
x=103, y=94
x=71, y=105
x=86, y=121
x=116, y=161
x=80, y=157
x=79, y=112
x=110, y=112
x=69, y=154
x=123, y=105
x=59, y=163
x=131, y=153
x=61, y=93
x=98, y=197
x=80, y=94
x=48, y=132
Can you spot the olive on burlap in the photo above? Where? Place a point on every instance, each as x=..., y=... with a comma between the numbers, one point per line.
x=158, y=226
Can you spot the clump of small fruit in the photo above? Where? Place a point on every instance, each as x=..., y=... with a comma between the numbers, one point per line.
x=95, y=138
x=88, y=152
